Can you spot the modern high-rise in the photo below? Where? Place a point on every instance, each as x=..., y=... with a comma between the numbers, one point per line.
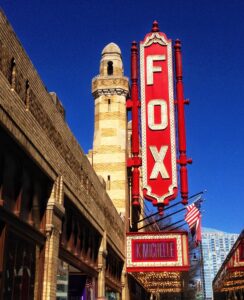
x=215, y=245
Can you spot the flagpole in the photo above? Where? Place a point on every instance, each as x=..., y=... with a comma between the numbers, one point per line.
x=184, y=208
x=168, y=207
x=165, y=217
x=156, y=213
x=178, y=226
x=163, y=228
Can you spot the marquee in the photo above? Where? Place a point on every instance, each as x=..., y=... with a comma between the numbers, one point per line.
x=161, y=251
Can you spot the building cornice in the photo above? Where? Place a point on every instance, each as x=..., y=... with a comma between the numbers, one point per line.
x=105, y=85
x=110, y=91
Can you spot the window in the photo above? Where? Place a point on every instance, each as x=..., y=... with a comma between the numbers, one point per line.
x=109, y=105
x=27, y=94
x=110, y=69
x=108, y=183
x=13, y=74
x=20, y=268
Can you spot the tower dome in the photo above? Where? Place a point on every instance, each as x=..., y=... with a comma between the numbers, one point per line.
x=111, y=48
x=111, y=62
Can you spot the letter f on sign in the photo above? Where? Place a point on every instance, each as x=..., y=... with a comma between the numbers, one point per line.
x=159, y=166
x=152, y=69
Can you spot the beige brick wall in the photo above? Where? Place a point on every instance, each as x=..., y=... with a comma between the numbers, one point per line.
x=43, y=133
x=109, y=153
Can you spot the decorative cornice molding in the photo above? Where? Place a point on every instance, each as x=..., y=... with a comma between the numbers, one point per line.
x=155, y=38
x=110, y=91
x=106, y=82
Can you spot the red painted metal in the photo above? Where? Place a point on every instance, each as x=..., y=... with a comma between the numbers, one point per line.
x=160, y=89
x=155, y=27
x=160, y=209
x=134, y=98
x=157, y=118
x=135, y=160
x=183, y=160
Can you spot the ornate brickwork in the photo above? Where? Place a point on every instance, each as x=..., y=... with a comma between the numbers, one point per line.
x=108, y=157
x=35, y=120
x=109, y=86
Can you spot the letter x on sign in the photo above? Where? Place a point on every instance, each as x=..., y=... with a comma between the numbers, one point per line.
x=159, y=166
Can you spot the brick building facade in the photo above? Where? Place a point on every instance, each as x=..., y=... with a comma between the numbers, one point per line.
x=55, y=212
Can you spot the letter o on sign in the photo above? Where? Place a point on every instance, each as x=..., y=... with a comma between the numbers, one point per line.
x=151, y=115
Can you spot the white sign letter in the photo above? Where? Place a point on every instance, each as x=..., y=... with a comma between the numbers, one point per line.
x=163, y=113
x=159, y=166
x=151, y=69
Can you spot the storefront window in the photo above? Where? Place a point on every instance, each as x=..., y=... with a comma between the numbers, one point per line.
x=72, y=284
x=20, y=268
x=111, y=295
x=62, y=281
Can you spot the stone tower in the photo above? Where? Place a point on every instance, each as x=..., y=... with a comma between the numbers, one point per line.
x=108, y=156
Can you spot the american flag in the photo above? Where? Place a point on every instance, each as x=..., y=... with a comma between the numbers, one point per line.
x=193, y=218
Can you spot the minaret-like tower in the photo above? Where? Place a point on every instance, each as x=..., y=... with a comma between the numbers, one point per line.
x=108, y=156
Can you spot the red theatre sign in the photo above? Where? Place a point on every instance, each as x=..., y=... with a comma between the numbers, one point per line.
x=158, y=121
x=157, y=252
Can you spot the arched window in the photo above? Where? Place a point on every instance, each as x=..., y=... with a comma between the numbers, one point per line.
x=108, y=183
x=110, y=68
x=13, y=74
x=109, y=103
x=27, y=95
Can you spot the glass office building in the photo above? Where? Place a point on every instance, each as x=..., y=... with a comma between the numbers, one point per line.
x=215, y=246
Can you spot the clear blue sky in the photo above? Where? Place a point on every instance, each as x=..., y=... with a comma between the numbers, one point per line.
x=64, y=40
